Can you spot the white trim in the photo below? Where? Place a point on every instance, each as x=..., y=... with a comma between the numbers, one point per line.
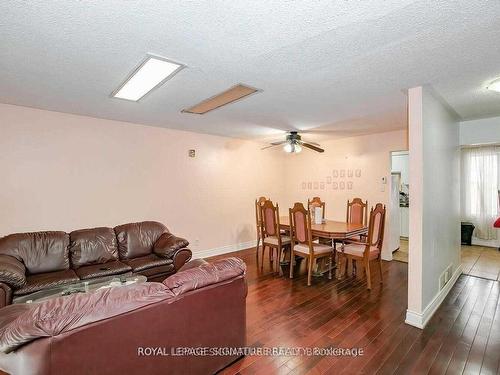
x=420, y=320
x=223, y=249
x=486, y=243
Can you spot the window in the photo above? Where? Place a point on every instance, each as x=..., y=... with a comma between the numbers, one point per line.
x=480, y=185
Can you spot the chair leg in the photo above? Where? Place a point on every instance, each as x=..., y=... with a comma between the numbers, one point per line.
x=380, y=269
x=291, y=263
x=368, y=274
x=278, y=260
x=262, y=257
x=309, y=271
x=258, y=245
x=330, y=265
x=346, y=266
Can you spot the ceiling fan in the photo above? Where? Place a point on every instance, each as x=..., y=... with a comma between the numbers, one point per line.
x=293, y=143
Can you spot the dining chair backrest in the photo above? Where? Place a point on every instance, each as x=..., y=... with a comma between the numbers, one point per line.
x=270, y=218
x=258, y=203
x=316, y=202
x=376, y=226
x=300, y=224
x=357, y=211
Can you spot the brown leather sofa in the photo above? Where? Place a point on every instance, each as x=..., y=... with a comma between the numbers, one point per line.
x=189, y=324
x=30, y=262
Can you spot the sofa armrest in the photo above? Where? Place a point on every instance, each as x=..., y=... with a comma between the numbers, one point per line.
x=5, y=295
x=205, y=275
x=12, y=271
x=168, y=244
x=181, y=257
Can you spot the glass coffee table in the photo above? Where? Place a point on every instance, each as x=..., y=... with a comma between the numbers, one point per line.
x=82, y=286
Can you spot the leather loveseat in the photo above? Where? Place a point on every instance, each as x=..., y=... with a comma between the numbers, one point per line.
x=192, y=323
x=30, y=262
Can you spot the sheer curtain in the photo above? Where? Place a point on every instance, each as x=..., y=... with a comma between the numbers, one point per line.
x=480, y=185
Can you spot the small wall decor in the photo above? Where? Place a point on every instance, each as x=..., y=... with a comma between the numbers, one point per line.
x=304, y=185
x=335, y=185
x=350, y=173
x=335, y=173
x=322, y=185
x=310, y=185
x=358, y=172
x=328, y=179
x=342, y=173
x=349, y=185
x=316, y=185
x=342, y=185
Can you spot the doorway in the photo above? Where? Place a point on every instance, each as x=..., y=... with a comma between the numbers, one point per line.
x=400, y=203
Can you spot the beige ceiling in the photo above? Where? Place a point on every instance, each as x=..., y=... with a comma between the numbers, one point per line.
x=334, y=67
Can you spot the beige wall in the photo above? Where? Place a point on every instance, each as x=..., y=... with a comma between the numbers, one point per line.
x=64, y=172
x=370, y=154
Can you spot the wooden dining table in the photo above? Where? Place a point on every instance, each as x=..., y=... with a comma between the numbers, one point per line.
x=334, y=230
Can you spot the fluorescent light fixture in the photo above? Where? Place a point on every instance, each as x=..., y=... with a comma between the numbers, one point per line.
x=495, y=85
x=152, y=73
x=231, y=95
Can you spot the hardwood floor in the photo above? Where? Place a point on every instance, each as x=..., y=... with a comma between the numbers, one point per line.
x=462, y=337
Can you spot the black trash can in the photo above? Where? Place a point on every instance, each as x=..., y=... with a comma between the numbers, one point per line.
x=467, y=230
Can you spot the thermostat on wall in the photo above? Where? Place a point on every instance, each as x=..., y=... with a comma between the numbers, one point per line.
x=192, y=153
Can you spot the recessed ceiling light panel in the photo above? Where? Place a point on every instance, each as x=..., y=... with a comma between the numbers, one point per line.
x=495, y=85
x=229, y=96
x=152, y=73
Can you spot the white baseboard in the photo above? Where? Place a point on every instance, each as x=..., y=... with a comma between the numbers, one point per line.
x=420, y=320
x=223, y=249
x=487, y=243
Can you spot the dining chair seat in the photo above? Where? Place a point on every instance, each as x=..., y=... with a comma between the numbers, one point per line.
x=273, y=240
x=358, y=249
x=318, y=248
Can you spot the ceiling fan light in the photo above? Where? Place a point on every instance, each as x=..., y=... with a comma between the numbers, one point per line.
x=288, y=147
x=495, y=85
x=298, y=148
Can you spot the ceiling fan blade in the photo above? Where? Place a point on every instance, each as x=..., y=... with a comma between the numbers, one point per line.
x=277, y=143
x=273, y=145
x=312, y=143
x=310, y=146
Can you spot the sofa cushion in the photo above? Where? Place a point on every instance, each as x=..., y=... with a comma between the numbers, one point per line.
x=101, y=270
x=138, y=239
x=40, y=252
x=148, y=261
x=92, y=246
x=34, y=283
x=27, y=322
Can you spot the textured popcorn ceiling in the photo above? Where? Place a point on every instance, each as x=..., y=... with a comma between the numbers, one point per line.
x=336, y=67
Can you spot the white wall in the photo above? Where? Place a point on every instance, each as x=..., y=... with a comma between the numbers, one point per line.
x=435, y=202
x=65, y=172
x=310, y=174
x=480, y=131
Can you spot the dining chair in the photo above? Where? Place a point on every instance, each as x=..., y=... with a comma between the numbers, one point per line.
x=371, y=249
x=302, y=241
x=272, y=238
x=357, y=211
x=311, y=205
x=316, y=202
x=258, y=222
